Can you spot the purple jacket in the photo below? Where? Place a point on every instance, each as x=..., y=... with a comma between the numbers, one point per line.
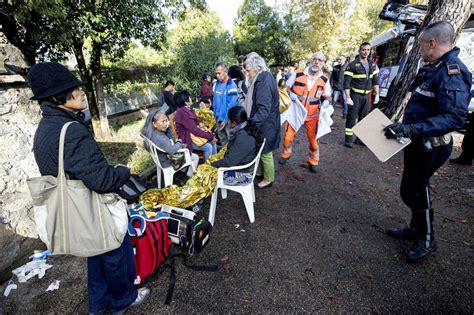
x=187, y=124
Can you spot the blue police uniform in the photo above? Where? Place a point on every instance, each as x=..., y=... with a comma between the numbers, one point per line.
x=438, y=106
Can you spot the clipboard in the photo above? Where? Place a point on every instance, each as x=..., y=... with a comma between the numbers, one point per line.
x=370, y=131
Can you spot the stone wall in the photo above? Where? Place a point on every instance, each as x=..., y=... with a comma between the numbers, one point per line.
x=18, y=120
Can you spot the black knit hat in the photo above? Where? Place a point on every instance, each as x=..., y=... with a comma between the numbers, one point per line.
x=49, y=79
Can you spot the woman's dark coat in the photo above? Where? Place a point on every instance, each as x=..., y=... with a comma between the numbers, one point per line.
x=83, y=158
x=241, y=150
x=265, y=110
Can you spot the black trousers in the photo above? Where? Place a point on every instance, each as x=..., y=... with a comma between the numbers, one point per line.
x=419, y=166
x=358, y=111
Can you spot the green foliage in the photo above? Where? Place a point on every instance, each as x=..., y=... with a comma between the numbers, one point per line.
x=196, y=44
x=57, y=27
x=258, y=28
x=293, y=25
x=127, y=88
x=334, y=27
x=372, y=10
x=138, y=55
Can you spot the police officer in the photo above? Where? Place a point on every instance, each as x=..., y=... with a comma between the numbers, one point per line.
x=438, y=104
x=359, y=78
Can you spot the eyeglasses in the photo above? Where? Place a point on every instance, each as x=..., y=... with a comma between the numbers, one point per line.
x=317, y=60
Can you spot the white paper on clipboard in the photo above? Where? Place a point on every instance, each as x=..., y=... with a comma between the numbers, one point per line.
x=370, y=131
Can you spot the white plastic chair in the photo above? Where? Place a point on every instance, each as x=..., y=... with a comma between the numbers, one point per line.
x=168, y=172
x=247, y=191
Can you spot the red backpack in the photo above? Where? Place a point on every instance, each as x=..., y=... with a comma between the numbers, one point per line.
x=150, y=249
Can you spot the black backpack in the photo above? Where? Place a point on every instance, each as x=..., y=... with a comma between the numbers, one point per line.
x=132, y=189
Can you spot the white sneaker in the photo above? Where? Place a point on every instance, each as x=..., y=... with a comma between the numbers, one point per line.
x=143, y=294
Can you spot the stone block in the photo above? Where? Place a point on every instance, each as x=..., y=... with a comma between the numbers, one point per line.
x=12, y=60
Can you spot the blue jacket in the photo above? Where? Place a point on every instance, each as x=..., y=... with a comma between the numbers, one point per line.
x=266, y=110
x=440, y=96
x=83, y=158
x=222, y=102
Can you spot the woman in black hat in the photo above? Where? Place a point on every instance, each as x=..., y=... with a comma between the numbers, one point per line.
x=110, y=275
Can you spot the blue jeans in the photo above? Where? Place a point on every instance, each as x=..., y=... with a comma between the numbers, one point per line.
x=207, y=149
x=110, y=279
x=335, y=97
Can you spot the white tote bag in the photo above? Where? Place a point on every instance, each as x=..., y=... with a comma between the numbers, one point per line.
x=71, y=218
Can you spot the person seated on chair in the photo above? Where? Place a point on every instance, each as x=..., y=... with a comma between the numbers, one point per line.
x=157, y=130
x=187, y=124
x=244, y=142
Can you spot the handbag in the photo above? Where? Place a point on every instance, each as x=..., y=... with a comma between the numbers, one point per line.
x=198, y=141
x=177, y=160
x=71, y=218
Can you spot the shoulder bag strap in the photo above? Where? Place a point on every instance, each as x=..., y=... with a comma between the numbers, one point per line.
x=61, y=175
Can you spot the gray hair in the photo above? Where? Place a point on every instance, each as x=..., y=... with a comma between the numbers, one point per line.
x=442, y=31
x=148, y=128
x=256, y=62
x=222, y=65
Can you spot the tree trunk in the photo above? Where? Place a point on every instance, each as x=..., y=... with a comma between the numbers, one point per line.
x=457, y=12
x=87, y=79
x=100, y=125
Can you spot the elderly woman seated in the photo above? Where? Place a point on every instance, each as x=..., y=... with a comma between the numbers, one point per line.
x=244, y=142
x=157, y=130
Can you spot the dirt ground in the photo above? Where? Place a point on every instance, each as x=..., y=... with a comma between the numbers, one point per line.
x=317, y=245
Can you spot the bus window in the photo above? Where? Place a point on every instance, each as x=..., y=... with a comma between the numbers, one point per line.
x=394, y=50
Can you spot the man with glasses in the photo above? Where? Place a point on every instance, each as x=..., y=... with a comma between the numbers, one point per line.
x=311, y=87
x=360, y=76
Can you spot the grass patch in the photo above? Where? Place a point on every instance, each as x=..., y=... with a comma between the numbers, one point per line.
x=126, y=147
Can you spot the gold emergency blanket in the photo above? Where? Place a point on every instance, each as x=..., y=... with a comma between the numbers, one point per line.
x=199, y=186
x=206, y=116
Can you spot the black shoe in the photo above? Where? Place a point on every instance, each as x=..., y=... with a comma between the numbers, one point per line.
x=348, y=142
x=406, y=234
x=461, y=161
x=312, y=168
x=282, y=160
x=344, y=116
x=420, y=251
x=359, y=142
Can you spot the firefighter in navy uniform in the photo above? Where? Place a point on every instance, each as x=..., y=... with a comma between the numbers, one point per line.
x=359, y=78
x=438, y=102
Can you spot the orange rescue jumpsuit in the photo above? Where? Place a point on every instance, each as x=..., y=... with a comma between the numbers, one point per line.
x=311, y=100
